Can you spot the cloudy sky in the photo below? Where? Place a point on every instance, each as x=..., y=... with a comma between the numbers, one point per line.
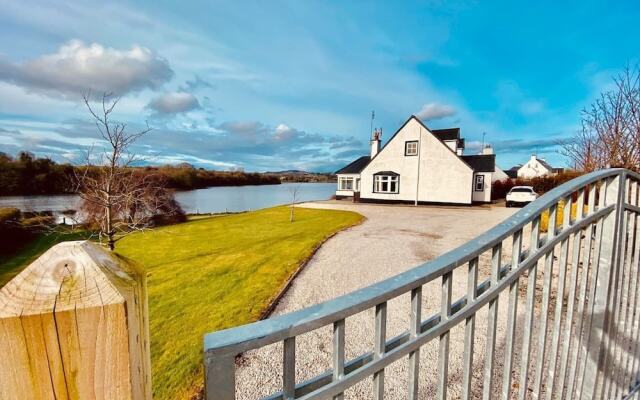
x=291, y=84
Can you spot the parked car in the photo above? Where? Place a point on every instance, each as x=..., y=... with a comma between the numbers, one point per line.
x=521, y=195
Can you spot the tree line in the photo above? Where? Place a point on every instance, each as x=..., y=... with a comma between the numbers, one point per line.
x=26, y=174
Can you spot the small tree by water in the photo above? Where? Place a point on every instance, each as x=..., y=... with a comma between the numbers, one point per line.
x=117, y=198
x=294, y=191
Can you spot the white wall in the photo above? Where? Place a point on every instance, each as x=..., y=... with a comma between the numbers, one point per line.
x=532, y=169
x=444, y=177
x=485, y=195
x=452, y=144
x=347, y=192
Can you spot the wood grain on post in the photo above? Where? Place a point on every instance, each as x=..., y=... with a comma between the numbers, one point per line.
x=74, y=325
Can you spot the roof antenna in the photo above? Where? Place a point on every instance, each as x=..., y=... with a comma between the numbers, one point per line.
x=373, y=116
x=483, y=134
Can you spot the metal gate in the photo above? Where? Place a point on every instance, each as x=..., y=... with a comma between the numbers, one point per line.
x=586, y=343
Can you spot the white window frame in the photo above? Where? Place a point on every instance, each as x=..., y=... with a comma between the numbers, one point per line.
x=414, y=148
x=386, y=184
x=478, y=185
x=342, y=183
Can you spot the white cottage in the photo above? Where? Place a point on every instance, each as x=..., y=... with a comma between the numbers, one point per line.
x=536, y=167
x=419, y=165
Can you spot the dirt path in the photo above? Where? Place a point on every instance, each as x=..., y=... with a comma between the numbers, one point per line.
x=393, y=239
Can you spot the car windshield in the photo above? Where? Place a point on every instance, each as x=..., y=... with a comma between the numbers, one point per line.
x=521, y=190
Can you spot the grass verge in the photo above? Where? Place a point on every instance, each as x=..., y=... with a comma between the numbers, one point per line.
x=215, y=273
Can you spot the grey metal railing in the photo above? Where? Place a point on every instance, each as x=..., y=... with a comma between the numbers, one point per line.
x=579, y=338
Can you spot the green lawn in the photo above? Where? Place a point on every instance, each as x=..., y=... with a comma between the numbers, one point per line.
x=215, y=273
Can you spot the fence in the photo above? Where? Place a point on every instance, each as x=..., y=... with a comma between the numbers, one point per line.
x=586, y=337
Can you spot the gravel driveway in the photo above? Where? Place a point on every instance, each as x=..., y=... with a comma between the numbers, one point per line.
x=392, y=240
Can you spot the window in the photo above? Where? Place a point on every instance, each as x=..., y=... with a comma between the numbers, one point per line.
x=479, y=183
x=345, y=184
x=385, y=183
x=411, y=148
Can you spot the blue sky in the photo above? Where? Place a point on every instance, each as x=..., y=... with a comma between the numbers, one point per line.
x=291, y=84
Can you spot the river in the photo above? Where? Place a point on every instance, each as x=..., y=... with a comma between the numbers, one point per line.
x=209, y=200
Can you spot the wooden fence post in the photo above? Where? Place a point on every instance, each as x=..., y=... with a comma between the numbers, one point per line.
x=74, y=325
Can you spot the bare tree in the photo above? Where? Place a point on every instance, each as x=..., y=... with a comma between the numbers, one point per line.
x=610, y=133
x=294, y=192
x=117, y=198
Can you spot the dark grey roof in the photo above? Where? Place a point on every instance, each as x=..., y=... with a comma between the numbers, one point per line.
x=447, y=134
x=391, y=173
x=481, y=162
x=512, y=173
x=356, y=166
x=545, y=164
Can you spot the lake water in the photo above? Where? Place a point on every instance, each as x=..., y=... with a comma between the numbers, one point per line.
x=209, y=200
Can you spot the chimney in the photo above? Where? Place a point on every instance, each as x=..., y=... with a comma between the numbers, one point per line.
x=487, y=149
x=375, y=142
x=534, y=157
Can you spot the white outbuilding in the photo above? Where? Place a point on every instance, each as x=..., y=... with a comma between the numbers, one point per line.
x=419, y=165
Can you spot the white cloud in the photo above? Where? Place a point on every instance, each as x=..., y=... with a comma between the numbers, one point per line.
x=77, y=67
x=432, y=111
x=174, y=102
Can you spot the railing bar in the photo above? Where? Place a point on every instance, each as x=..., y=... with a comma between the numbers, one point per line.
x=602, y=310
x=584, y=284
x=634, y=208
x=437, y=329
x=511, y=319
x=469, y=330
x=573, y=287
x=220, y=377
x=414, y=331
x=636, y=263
x=492, y=325
x=620, y=321
x=544, y=312
x=379, y=349
x=557, y=326
x=621, y=328
x=528, y=327
x=634, y=378
x=338, y=354
x=608, y=373
x=635, y=326
x=443, y=356
x=632, y=275
x=631, y=278
x=289, y=368
x=460, y=309
x=591, y=295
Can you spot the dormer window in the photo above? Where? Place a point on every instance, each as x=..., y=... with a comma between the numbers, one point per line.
x=411, y=148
